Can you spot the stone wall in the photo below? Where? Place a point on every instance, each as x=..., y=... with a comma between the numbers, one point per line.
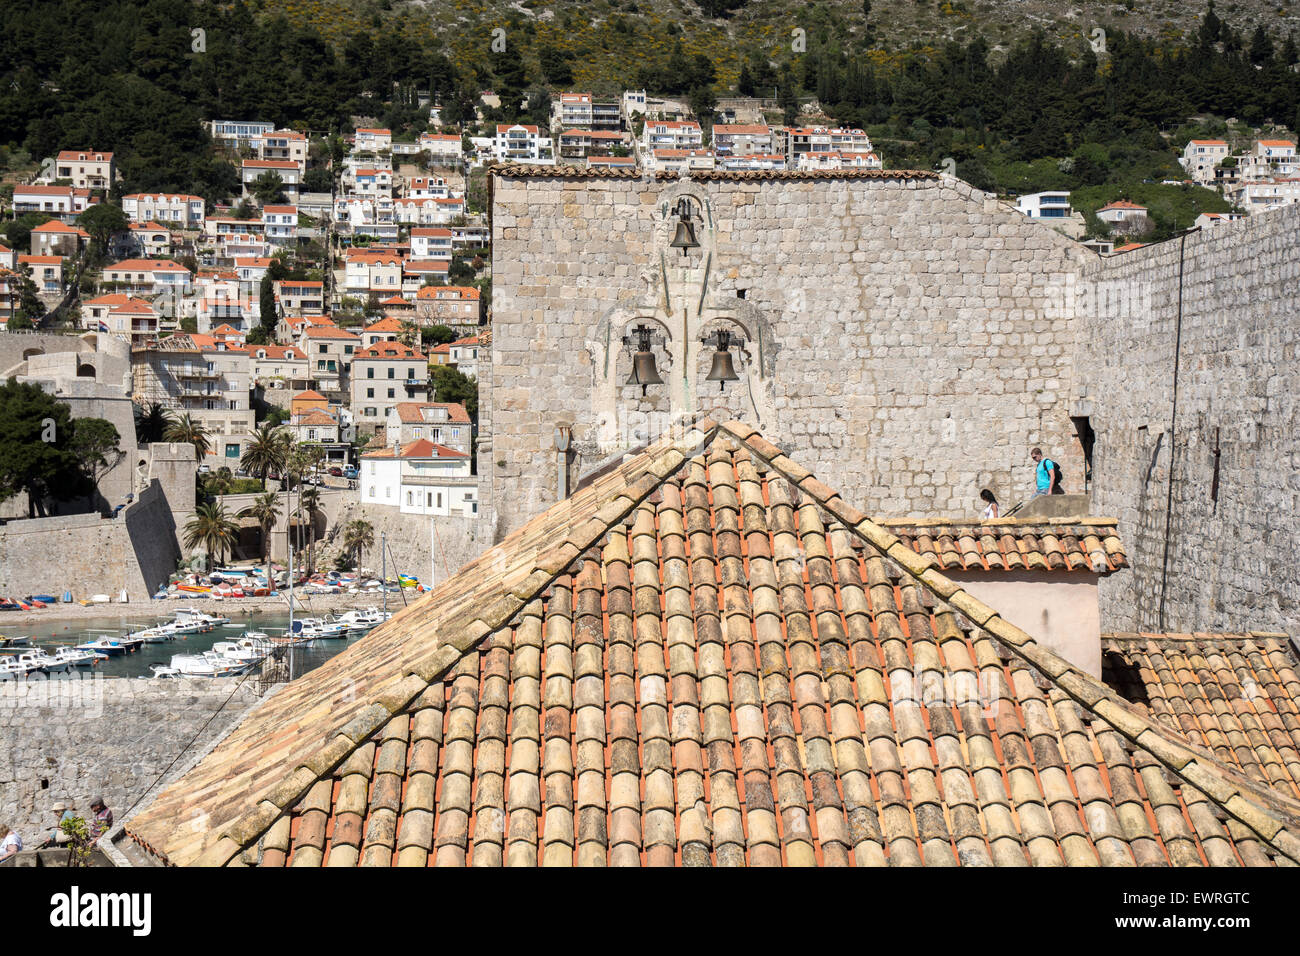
x=87, y=554
x=73, y=740
x=1223, y=558
x=459, y=540
x=905, y=334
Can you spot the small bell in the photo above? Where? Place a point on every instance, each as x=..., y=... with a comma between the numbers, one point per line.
x=644, y=371
x=723, y=370
x=684, y=236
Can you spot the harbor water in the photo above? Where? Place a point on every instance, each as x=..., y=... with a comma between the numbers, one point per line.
x=55, y=633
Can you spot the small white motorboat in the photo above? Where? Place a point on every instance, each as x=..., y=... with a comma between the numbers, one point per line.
x=40, y=660
x=189, y=615
x=76, y=658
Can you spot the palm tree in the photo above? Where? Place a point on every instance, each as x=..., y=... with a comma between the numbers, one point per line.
x=358, y=535
x=266, y=452
x=266, y=509
x=213, y=530
x=188, y=431
x=310, y=501
x=151, y=422
x=409, y=333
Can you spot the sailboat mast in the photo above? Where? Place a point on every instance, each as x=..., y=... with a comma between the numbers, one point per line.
x=383, y=574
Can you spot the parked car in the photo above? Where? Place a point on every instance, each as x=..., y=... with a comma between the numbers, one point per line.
x=350, y=472
x=336, y=471
x=204, y=469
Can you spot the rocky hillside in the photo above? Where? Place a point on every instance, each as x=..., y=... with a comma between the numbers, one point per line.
x=597, y=36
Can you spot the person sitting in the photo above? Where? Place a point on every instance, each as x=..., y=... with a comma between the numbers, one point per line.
x=991, y=505
x=56, y=836
x=10, y=843
x=101, y=820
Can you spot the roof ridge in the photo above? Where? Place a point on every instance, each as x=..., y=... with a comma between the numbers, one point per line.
x=464, y=629
x=1260, y=808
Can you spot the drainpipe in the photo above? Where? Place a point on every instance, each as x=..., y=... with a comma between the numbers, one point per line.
x=1173, y=447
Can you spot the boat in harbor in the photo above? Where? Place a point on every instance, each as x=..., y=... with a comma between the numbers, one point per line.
x=41, y=660
x=362, y=619
x=107, y=646
x=10, y=642
x=76, y=658
x=12, y=669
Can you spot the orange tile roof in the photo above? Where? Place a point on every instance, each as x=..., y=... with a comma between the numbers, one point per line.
x=385, y=324
x=330, y=332
x=145, y=265
x=315, y=416
x=1276, y=142
x=460, y=292
x=432, y=233
x=420, y=448
x=84, y=156
x=704, y=656
x=280, y=209
x=741, y=129
x=1015, y=544
x=54, y=225
x=409, y=413
x=1234, y=695
x=308, y=396
x=41, y=260
x=388, y=350
x=117, y=302
x=271, y=163
x=282, y=352
x=1121, y=204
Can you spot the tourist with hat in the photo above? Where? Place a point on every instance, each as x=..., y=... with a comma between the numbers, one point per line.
x=57, y=836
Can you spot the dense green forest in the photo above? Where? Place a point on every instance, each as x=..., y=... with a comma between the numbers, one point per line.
x=124, y=75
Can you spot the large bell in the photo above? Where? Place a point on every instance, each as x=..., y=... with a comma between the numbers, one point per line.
x=684, y=238
x=723, y=370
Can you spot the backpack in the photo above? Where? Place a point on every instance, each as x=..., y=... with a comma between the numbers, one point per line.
x=1059, y=487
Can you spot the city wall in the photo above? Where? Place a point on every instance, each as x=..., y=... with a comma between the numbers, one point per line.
x=87, y=554
x=1211, y=315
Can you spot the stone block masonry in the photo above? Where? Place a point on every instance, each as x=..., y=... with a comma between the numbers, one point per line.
x=1220, y=553
x=87, y=554
x=73, y=740
x=906, y=335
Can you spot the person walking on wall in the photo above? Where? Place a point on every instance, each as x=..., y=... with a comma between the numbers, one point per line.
x=990, y=505
x=1047, y=474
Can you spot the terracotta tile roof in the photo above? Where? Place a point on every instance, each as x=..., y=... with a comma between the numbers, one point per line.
x=54, y=225
x=1234, y=695
x=449, y=292
x=420, y=448
x=385, y=325
x=84, y=156
x=521, y=171
x=409, y=413
x=1121, y=204
x=740, y=129
x=315, y=416
x=145, y=265
x=688, y=662
x=281, y=352
x=41, y=260
x=329, y=332
x=308, y=396
x=387, y=350
x=1276, y=142
x=1015, y=544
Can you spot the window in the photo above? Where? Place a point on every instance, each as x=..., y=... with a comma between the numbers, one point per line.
x=392, y=373
x=370, y=371
x=370, y=393
x=321, y=348
x=408, y=498
x=429, y=503
x=390, y=393
x=440, y=499
x=419, y=432
x=455, y=433
x=388, y=491
x=232, y=450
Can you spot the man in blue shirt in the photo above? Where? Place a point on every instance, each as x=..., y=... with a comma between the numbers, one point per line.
x=1044, y=474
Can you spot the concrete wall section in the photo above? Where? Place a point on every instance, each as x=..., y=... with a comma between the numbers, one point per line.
x=906, y=337
x=1223, y=558
x=1058, y=608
